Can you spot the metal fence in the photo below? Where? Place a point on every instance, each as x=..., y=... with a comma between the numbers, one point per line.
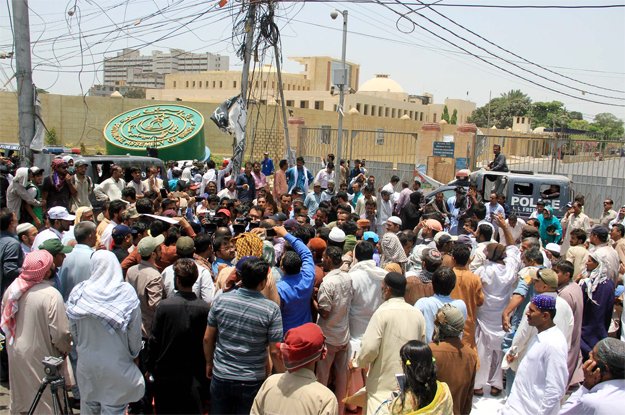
x=386, y=153
x=596, y=167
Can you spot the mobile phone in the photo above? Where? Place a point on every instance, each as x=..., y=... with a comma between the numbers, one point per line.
x=164, y=193
x=270, y=233
x=253, y=225
x=401, y=381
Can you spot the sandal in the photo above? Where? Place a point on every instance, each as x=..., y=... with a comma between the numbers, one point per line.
x=478, y=392
x=495, y=391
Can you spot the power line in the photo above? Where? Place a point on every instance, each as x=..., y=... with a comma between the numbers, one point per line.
x=405, y=16
x=533, y=63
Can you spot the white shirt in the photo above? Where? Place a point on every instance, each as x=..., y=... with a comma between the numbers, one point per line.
x=516, y=231
x=542, y=377
x=367, y=296
x=605, y=398
x=525, y=333
x=391, y=189
x=44, y=235
x=323, y=176
x=109, y=189
x=203, y=287
x=140, y=187
x=106, y=238
x=227, y=193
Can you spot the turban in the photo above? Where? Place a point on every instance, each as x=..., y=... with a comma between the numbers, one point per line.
x=302, y=345
x=449, y=322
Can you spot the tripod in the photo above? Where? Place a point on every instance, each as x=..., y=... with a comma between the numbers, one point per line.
x=56, y=382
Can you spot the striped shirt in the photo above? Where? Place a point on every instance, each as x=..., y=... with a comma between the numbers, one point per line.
x=246, y=323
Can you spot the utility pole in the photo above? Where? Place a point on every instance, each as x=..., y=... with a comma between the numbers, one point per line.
x=24, y=78
x=239, y=143
x=341, y=85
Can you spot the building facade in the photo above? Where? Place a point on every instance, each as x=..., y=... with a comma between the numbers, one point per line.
x=314, y=88
x=130, y=68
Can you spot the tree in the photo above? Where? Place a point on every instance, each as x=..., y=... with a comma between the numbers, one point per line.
x=445, y=115
x=135, y=93
x=51, y=138
x=454, y=118
x=581, y=125
x=501, y=110
x=608, y=125
x=549, y=115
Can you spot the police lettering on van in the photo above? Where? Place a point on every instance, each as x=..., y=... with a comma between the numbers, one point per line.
x=525, y=205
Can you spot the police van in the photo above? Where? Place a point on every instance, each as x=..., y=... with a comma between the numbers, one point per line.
x=521, y=188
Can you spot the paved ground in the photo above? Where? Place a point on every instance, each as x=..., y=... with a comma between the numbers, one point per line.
x=4, y=398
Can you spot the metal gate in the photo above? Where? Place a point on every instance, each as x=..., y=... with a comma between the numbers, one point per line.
x=387, y=153
x=596, y=166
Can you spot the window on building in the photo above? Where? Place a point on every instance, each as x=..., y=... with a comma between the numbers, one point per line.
x=366, y=110
x=174, y=84
x=187, y=84
x=263, y=102
x=303, y=104
x=421, y=116
x=434, y=117
x=264, y=84
x=200, y=84
x=234, y=84
x=214, y=83
x=336, y=107
x=193, y=84
x=318, y=105
x=290, y=103
x=410, y=115
x=256, y=84
x=380, y=111
x=358, y=107
x=379, y=137
x=373, y=109
x=221, y=84
x=387, y=112
x=522, y=120
x=393, y=113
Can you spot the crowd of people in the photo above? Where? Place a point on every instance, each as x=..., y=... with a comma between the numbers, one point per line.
x=195, y=290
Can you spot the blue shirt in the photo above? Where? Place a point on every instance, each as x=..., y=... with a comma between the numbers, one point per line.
x=527, y=292
x=312, y=203
x=246, y=323
x=76, y=268
x=429, y=306
x=296, y=290
x=301, y=178
x=249, y=194
x=266, y=167
x=217, y=262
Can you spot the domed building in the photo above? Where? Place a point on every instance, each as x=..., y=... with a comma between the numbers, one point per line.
x=383, y=86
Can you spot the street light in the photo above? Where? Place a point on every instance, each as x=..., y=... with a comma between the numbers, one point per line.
x=340, y=81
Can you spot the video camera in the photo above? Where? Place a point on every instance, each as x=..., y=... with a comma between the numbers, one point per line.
x=51, y=366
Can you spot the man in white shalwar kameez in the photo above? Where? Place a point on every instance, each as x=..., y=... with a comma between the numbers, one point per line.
x=499, y=277
x=392, y=325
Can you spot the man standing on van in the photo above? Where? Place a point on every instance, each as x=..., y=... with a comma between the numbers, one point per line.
x=499, y=163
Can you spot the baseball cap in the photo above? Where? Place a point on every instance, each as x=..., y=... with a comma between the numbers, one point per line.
x=185, y=246
x=548, y=276
x=279, y=217
x=59, y=212
x=225, y=212
x=290, y=224
x=464, y=240
x=36, y=170
x=54, y=246
x=370, y=236
x=123, y=230
x=444, y=237
x=80, y=162
x=148, y=244
x=600, y=230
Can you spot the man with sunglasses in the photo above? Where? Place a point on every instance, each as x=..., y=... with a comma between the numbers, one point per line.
x=608, y=213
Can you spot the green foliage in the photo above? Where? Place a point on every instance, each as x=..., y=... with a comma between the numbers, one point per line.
x=454, y=118
x=445, y=115
x=582, y=125
x=502, y=109
x=51, y=137
x=608, y=125
x=549, y=115
x=135, y=93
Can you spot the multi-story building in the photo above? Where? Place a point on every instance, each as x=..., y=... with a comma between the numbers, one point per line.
x=130, y=68
x=314, y=88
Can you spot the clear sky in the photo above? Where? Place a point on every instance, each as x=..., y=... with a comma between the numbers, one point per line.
x=587, y=45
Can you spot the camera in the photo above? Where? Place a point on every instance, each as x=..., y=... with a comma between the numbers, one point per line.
x=51, y=365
